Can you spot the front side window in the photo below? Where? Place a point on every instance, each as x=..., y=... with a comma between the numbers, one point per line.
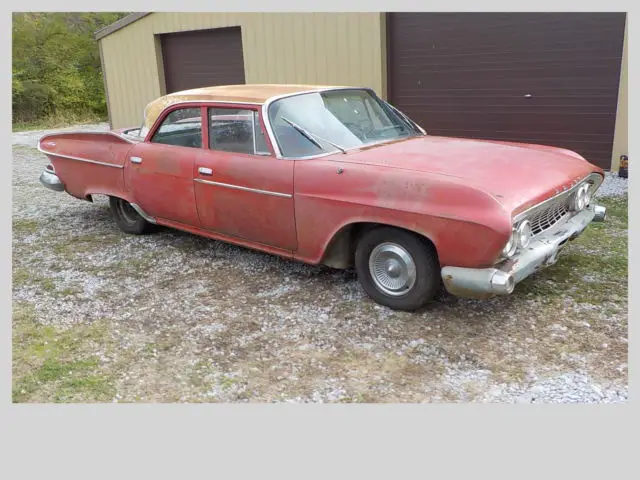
x=326, y=122
x=236, y=130
x=182, y=127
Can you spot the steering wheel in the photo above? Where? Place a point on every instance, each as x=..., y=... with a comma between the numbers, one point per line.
x=362, y=129
x=389, y=127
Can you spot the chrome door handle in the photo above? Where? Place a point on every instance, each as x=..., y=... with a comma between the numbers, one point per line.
x=205, y=171
x=135, y=159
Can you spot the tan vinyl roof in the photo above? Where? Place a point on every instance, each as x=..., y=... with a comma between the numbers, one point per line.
x=253, y=93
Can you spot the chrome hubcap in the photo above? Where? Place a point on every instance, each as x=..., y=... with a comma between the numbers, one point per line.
x=392, y=269
x=127, y=211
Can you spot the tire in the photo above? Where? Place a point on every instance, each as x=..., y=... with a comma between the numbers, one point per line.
x=127, y=219
x=407, y=266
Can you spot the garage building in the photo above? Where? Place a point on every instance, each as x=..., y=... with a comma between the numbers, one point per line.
x=551, y=78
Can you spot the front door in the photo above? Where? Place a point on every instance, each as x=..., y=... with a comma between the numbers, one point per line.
x=241, y=189
x=160, y=170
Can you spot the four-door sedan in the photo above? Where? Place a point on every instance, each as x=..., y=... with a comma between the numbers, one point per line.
x=336, y=176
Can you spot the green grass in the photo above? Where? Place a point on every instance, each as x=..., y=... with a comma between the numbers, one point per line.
x=136, y=267
x=57, y=365
x=359, y=397
x=24, y=227
x=78, y=246
x=70, y=291
x=227, y=382
x=22, y=277
x=593, y=268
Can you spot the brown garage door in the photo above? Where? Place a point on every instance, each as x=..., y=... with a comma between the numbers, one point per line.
x=549, y=78
x=202, y=58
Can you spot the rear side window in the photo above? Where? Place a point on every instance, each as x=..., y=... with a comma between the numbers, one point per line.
x=236, y=130
x=182, y=128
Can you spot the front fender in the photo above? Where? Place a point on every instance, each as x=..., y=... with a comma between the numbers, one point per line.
x=466, y=225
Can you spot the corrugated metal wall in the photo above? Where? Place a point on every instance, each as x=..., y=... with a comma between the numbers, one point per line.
x=314, y=48
x=621, y=136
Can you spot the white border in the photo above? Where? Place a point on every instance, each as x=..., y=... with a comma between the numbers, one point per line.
x=337, y=441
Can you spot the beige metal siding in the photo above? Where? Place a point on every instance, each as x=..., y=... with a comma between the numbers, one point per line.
x=621, y=138
x=314, y=48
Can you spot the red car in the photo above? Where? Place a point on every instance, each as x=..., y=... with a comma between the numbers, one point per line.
x=336, y=176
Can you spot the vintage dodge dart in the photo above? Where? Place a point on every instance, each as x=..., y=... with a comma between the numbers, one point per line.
x=336, y=176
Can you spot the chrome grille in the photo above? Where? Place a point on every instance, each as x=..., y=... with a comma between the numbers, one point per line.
x=548, y=213
x=551, y=214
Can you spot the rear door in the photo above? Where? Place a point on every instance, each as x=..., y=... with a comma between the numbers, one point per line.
x=159, y=172
x=241, y=188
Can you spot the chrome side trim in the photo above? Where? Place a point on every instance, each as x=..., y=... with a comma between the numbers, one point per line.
x=246, y=189
x=597, y=182
x=142, y=213
x=70, y=157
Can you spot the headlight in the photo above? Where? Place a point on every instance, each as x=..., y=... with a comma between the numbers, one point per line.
x=581, y=198
x=512, y=245
x=524, y=234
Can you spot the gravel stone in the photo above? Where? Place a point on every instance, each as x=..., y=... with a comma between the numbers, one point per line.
x=612, y=186
x=194, y=319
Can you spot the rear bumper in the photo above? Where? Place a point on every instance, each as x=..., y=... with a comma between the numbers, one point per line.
x=542, y=252
x=50, y=180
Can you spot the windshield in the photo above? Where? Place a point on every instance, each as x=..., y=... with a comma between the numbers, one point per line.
x=347, y=118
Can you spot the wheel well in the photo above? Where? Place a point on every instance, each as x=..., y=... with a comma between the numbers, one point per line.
x=341, y=249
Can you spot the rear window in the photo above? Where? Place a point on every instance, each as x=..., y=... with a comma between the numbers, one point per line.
x=182, y=128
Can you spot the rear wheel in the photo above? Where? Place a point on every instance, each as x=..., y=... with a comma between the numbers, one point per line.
x=397, y=269
x=126, y=217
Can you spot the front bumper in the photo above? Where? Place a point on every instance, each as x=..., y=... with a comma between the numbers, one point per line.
x=541, y=252
x=50, y=180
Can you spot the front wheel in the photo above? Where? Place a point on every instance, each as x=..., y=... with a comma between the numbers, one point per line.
x=397, y=268
x=126, y=217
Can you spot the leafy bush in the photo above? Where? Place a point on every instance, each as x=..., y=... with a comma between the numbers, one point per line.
x=56, y=65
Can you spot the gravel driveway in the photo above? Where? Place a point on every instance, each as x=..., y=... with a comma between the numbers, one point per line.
x=101, y=316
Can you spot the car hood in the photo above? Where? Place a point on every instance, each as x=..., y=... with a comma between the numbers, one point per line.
x=516, y=175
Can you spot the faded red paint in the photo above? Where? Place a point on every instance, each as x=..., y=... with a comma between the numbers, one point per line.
x=265, y=219
x=461, y=194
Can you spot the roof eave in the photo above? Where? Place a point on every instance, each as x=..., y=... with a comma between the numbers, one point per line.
x=115, y=26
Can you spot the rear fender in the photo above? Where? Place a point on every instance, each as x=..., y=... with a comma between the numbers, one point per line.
x=88, y=162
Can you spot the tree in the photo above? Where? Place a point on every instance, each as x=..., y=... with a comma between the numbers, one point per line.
x=56, y=64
